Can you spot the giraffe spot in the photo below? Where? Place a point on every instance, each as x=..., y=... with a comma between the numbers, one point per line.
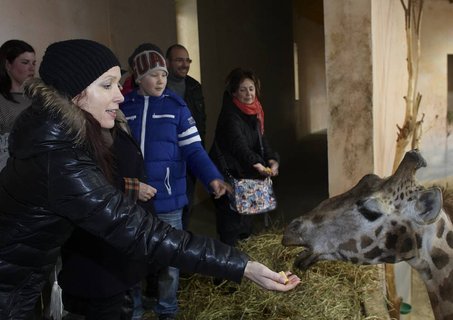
x=446, y=288
x=439, y=257
x=402, y=195
x=450, y=238
x=407, y=245
x=317, y=219
x=419, y=239
x=393, y=222
x=354, y=260
x=440, y=228
x=390, y=240
x=378, y=231
x=365, y=241
x=350, y=245
x=402, y=230
x=388, y=259
x=433, y=299
x=373, y=253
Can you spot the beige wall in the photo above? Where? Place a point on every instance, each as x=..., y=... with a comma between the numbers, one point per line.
x=389, y=80
x=311, y=112
x=121, y=25
x=136, y=21
x=349, y=91
x=43, y=22
x=437, y=43
x=390, y=84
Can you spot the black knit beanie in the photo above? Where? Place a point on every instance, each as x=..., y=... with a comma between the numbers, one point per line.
x=72, y=65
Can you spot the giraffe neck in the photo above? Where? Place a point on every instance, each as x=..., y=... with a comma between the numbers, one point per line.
x=435, y=265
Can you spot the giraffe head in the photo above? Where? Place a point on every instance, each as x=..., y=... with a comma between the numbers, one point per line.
x=377, y=221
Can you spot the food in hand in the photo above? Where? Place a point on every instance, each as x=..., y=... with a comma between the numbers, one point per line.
x=268, y=170
x=284, y=274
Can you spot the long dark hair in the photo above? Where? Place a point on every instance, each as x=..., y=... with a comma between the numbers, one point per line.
x=96, y=144
x=98, y=147
x=9, y=51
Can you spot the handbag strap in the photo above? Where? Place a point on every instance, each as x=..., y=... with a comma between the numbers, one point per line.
x=260, y=139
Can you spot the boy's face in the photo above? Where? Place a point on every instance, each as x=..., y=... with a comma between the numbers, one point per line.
x=153, y=84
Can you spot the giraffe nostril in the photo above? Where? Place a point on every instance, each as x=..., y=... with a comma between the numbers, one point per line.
x=293, y=227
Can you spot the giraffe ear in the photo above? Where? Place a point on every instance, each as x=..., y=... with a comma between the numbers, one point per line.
x=428, y=205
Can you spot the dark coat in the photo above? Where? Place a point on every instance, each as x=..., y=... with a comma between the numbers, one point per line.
x=195, y=101
x=237, y=137
x=52, y=185
x=91, y=267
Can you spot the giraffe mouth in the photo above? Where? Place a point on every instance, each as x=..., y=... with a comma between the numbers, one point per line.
x=306, y=259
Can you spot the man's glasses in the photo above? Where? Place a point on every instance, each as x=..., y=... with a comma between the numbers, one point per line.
x=181, y=60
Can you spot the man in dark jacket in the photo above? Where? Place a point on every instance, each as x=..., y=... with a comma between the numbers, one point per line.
x=178, y=64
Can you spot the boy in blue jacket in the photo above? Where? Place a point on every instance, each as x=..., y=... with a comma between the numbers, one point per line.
x=163, y=126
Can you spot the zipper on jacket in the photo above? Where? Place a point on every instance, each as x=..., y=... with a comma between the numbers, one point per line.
x=167, y=181
x=143, y=128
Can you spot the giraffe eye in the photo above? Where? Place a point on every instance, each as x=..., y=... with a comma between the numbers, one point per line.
x=370, y=215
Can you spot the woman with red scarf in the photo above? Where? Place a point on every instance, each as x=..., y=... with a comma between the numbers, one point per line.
x=237, y=150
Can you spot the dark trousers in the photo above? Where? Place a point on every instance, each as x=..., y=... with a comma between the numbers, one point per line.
x=231, y=226
x=190, y=192
x=117, y=307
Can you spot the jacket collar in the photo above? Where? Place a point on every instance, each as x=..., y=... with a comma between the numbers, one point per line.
x=61, y=107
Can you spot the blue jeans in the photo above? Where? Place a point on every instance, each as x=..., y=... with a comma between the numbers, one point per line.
x=169, y=277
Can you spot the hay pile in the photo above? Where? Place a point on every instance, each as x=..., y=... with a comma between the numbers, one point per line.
x=329, y=290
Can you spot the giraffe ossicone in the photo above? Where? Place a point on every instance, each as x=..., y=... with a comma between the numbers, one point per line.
x=385, y=220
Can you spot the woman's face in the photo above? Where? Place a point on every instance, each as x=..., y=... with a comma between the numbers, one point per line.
x=246, y=91
x=102, y=98
x=22, y=68
x=153, y=84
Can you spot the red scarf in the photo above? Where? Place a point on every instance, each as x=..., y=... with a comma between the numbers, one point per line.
x=253, y=108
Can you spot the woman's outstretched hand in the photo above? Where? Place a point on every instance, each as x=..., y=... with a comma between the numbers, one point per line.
x=268, y=279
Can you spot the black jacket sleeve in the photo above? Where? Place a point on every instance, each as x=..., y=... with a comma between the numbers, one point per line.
x=79, y=192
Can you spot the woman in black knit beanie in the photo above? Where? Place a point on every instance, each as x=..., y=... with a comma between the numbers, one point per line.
x=59, y=177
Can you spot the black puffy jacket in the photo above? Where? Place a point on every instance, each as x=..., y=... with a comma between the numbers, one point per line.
x=195, y=101
x=52, y=185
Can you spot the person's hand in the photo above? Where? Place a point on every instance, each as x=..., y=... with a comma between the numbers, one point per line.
x=274, y=167
x=262, y=169
x=268, y=279
x=146, y=192
x=219, y=188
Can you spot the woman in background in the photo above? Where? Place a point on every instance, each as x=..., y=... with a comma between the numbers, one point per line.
x=240, y=148
x=17, y=64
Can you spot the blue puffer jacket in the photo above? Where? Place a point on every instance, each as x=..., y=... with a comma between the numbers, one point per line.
x=166, y=132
